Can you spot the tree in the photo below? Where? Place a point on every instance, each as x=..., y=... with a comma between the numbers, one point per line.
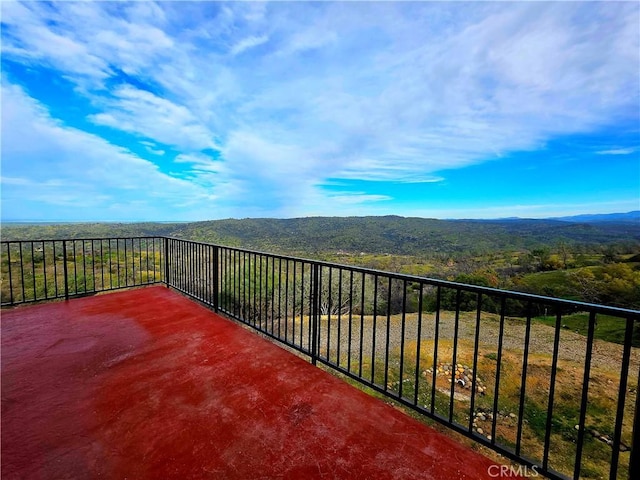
x=540, y=257
x=564, y=252
x=614, y=284
x=584, y=284
x=468, y=301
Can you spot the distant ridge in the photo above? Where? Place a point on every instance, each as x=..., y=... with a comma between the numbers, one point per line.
x=627, y=217
x=633, y=216
x=381, y=234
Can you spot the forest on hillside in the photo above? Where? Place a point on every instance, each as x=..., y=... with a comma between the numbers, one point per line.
x=593, y=261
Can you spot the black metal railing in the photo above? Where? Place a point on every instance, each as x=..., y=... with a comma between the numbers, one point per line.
x=49, y=269
x=500, y=367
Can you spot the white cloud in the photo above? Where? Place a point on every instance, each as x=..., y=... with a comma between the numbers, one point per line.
x=28, y=36
x=152, y=148
x=247, y=43
x=202, y=163
x=358, y=198
x=144, y=113
x=84, y=41
x=375, y=91
x=81, y=171
x=617, y=151
x=507, y=80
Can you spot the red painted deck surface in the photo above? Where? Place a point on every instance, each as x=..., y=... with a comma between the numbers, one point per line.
x=145, y=384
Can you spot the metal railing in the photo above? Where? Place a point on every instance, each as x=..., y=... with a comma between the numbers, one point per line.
x=500, y=367
x=48, y=269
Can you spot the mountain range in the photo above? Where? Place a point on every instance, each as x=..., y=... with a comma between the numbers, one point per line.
x=633, y=217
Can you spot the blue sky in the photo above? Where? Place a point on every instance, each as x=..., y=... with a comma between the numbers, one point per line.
x=117, y=111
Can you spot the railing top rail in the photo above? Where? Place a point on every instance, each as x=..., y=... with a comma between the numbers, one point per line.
x=603, y=309
x=85, y=239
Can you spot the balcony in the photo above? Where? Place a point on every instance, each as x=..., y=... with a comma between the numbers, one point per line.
x=147, y=383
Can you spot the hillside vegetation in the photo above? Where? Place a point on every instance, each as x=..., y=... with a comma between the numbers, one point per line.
x=597, y=260
x=390, y=234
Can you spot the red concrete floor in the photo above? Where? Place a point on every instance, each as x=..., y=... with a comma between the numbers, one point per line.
x=146, y=384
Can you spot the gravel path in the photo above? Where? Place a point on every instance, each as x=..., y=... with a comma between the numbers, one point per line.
x=572, y=345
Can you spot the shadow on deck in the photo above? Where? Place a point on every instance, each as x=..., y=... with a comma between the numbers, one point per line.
x=148, y=384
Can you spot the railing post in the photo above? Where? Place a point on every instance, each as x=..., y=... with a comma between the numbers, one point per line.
x=315, y=306
x=64, y=269
x=11, y=299
x=216, y=277
x=166, y=261
x=634, y=463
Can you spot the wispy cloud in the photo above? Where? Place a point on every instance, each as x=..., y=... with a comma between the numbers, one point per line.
x=617, y=151
x=247, y=43
x=144, y=113
x=90, y=175
x=152, y=148
x=264, y=102
x=359, y=198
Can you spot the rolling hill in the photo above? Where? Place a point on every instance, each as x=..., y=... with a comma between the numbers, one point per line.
x=387, y=234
